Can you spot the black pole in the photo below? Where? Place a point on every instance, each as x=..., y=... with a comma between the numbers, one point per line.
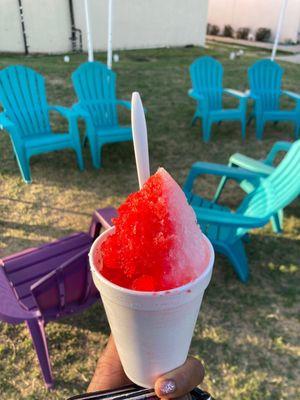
x=23, y=27
x=73, y=33
x=74, y=30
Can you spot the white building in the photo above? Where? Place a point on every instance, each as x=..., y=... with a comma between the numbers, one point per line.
x=256, y=14
x=136, y=24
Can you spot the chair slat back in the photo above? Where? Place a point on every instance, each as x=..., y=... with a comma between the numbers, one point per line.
x=277, y=190
x=68, y=285
x=207, y=79
x=23, y=96
x=265, y=78
x=95, y=86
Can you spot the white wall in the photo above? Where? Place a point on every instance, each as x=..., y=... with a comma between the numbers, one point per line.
x=10, y=27
x=136, y=24
x=47, y=24
x=255, y=14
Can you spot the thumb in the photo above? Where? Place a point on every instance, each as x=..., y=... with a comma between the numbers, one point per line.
x=180, y=381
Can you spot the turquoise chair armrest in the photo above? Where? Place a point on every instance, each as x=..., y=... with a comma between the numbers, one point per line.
x=258, y=102
x=10, y=127
x=196, y=96
x=203, y=168
x=251, y=164
x=293, y=95
x=251, y=95
x=64, y=111
x=277, y=147
x=5, y=123
x=72, y=118
x=236, y=93
x=228, y=218
x=80, y=111
x=220, y=169
x=242, y=97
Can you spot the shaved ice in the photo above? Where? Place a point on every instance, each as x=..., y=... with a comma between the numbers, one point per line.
x=157, y=244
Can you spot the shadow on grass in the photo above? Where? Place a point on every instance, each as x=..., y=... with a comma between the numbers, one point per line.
x=293, y=210
x=59, y=168
x=94, y=319
x=32, y=228
x=37, y=229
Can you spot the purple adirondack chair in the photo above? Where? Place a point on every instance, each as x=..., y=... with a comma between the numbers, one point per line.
x=43, y=284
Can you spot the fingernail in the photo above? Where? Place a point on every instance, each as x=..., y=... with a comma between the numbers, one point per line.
x=167, y=387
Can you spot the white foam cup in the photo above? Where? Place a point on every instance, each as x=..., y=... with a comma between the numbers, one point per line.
x=152, y=330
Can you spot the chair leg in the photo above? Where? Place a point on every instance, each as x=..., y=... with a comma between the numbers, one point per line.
x=206, y=128
x=37, y=332
x=247, y=186
x=250, y=119
x=237, y=255
x=84, y=141
x=246, y=238
x=73, y=128
x=220, y=189
x=194, y=119
x=95, y=148
x=259, y=129
x=277, y=222
x=23, y=163
x=79, y=157
x=243, y=124
x=297, y=130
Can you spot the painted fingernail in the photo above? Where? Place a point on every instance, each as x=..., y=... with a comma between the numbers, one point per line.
x=167, y=387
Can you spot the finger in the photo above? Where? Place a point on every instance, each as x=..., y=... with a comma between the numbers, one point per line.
x=180, y=381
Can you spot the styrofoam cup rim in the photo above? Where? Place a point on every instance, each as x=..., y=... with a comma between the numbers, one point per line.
x=203, y=277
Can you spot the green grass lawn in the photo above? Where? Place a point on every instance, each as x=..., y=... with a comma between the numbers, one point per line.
x=247, y=335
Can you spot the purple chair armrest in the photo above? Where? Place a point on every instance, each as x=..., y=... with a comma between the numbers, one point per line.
x=11, y=310
x=39, y=286
x=69, y=282
x=102, y=218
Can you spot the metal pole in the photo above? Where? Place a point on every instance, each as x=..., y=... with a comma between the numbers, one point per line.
x=109, y=35
x=88, y=32
x=23, y=27
x=73, y=33
x=278, y=29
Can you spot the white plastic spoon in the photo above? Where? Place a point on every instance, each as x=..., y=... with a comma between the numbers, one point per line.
x=140, y=140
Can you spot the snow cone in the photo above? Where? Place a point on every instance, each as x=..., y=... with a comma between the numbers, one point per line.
x=152, y=269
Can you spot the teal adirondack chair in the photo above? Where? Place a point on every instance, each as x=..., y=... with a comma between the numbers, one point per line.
x=26, y=118
x=262, y=168
x=95, y=86
x=226, y=229
x=265, y=78
x=207, y=82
